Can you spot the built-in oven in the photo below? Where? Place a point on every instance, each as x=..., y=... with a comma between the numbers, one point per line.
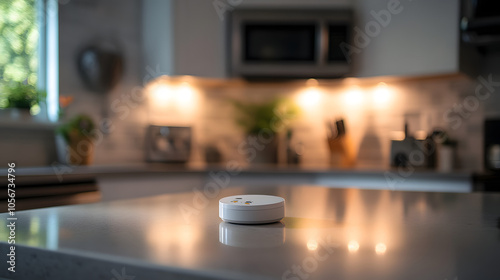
x=289, y=43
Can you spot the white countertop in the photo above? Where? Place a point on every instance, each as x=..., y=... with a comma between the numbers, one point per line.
x=68, y=173
x=327, y=234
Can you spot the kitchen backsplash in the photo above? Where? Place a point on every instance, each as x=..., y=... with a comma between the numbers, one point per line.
x=374, y=114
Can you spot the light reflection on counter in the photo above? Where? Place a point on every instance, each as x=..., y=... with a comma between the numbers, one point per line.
x=52, y=230
x=369, y=226
x=180, y=240
x=312, y=244
x=41, y=231
x=252, y=236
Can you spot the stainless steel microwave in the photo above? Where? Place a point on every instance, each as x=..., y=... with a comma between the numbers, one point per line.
x=289, y=43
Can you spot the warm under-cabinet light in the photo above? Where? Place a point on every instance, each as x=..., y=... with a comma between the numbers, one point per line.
x=380, y=248
x=354, y=96
x=181, y=95
x=312, y=83
x=161, y=93
x=353, y=246
x=309, y=98
x=172, y=101
x=185, y=94
x=382, y=94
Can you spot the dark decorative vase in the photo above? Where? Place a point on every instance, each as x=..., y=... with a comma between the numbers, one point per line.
x=263, y=152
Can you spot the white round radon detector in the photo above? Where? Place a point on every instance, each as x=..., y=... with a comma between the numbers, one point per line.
x=251, y=209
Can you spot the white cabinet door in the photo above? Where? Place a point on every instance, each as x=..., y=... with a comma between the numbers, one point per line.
x=199, y=39
x=419, y=37
x=183, y=37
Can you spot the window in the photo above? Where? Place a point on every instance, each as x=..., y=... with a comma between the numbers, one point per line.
x=19, y=41
x=28, y=48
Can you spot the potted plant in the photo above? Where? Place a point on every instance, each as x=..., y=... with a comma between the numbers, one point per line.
x=79, y=137
x=261, y=122
x=21, y=99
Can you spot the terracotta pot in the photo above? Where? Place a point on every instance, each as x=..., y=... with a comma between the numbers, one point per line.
x=17, y=114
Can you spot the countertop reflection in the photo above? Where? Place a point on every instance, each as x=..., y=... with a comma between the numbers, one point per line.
x=327, y=234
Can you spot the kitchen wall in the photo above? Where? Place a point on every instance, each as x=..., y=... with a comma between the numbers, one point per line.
x=114, y=25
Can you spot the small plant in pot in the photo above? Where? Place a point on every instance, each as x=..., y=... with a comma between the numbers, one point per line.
x=446, y=152
x=79, y=136
x=261, y=122
x=22, y=98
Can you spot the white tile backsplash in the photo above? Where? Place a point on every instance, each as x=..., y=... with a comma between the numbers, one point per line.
x=369, y=126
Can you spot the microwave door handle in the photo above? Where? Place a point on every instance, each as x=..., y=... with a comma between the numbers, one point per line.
x=322, y=43
x=474, y=39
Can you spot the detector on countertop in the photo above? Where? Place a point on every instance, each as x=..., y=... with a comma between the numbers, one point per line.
x=252, y=209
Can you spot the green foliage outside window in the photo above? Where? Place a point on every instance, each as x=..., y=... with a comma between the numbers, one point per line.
x=18, y=43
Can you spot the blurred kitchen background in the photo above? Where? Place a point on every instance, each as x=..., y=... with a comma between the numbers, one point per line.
x=379, y=79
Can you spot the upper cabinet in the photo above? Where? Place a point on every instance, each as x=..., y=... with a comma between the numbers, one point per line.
x=199, y=41
x=406, y=37
x=390, y=37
